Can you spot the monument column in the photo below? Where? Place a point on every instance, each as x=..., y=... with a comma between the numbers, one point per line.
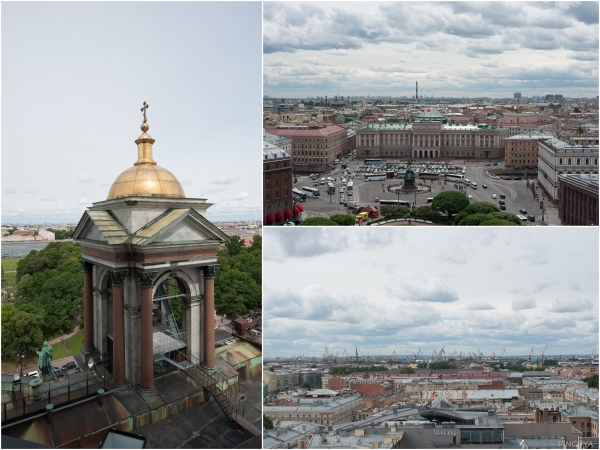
x=118, y=280
x=209, y=316
x=88, y=308
x=146, y=345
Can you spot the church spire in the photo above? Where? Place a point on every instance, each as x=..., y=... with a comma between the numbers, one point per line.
x=144, y=142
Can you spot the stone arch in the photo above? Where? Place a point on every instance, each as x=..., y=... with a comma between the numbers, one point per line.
x=188, y=284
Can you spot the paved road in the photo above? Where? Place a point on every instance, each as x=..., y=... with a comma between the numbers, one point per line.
x=517, y=194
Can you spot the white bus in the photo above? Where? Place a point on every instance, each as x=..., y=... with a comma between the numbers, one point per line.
x=523, y=219
x=454, y=177
x=350, y=186
x=372, y=161
x=375, y=177
x=298, y=193
x=330, y=188
x=394, y=203
x=312, y=191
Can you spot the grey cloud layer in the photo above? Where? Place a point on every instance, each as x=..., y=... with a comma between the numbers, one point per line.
x=360, y=48
x=402, y=290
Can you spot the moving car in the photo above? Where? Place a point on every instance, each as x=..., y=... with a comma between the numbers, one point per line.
x=34, y=374
x=531, y=218
x=494, y=196
x=484, y=186
x=523, y=211
x=503, y=207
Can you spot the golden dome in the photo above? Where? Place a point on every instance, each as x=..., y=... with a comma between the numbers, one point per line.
x=146, y=178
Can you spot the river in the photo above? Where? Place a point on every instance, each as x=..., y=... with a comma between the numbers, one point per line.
x=21, y=249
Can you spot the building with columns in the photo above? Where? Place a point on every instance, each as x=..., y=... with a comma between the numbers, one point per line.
x=557, y=157
x=578, y=204
x=142, y=247
x=430, y=136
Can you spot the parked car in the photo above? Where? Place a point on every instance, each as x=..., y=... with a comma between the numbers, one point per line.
x=33, y=374
x=77, y=369
x=69, y=365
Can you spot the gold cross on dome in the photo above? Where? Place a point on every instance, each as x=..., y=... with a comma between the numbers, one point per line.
x=144, y=108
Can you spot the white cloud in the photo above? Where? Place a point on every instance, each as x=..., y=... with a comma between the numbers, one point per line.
x=241, y=196
x=85, y=178
x=226, y=180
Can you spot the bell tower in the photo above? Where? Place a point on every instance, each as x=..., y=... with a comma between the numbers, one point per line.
x=145, y=248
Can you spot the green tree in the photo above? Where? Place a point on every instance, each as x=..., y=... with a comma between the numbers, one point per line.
x=592, y=381
x=407, y=370
x=313, y=366
x=343, y=219
x=20, y=330
x=422, y=365
x=481, y=208
x=450, y=202
x=579, y=130
x=271, y=369
x=576, y=110
x=474, y=219
x=510, y=217
x=497, y=223
x=316, y=221
x=306, y=385
x=237, y=291
x=256, y=243
x=235, y=245
x=267, y=422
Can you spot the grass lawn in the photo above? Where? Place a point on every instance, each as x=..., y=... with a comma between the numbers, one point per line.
x=70, y=347
x=9, y=265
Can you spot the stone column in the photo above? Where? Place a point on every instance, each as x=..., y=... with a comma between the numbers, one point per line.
x=88, y=308
x=146, y=345
x=209, y=316
x=118, y=280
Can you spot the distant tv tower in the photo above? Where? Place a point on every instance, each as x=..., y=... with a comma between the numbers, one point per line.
x=417, y=93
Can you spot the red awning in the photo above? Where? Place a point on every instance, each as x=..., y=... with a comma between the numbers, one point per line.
x=278, y=215
x=296, y=211
x=300, y=207
x=269, y=218
x=287, y=214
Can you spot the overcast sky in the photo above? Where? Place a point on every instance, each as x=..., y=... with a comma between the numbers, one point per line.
x=389, y=289
x=451, y=48
x=75, y=75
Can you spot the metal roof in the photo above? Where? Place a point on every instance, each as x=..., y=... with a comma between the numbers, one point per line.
x=110, y=229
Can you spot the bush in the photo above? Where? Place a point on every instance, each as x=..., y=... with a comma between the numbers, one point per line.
x=460, y=217
x=426, y=213
x=343, y=219
x=497, y=222
x=481, y=208
x=506, y=216
x=316, y=221
x=450, y=202
x=474, y=219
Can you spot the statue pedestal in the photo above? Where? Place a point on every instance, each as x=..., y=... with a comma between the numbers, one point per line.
x=35, y=386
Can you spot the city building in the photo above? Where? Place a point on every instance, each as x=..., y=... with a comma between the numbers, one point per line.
x=522, y=150
x=430, y=136
x=321, y=410
x=315, y=149
x=517, y=95
x=557, y=157
x=284, y=143
x=578, y=202
x=277, y=184
x=583, y=418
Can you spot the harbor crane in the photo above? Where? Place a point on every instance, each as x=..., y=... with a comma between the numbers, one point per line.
x=543, y=354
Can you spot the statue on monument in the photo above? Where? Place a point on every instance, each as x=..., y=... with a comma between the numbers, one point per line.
x=45, y=361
